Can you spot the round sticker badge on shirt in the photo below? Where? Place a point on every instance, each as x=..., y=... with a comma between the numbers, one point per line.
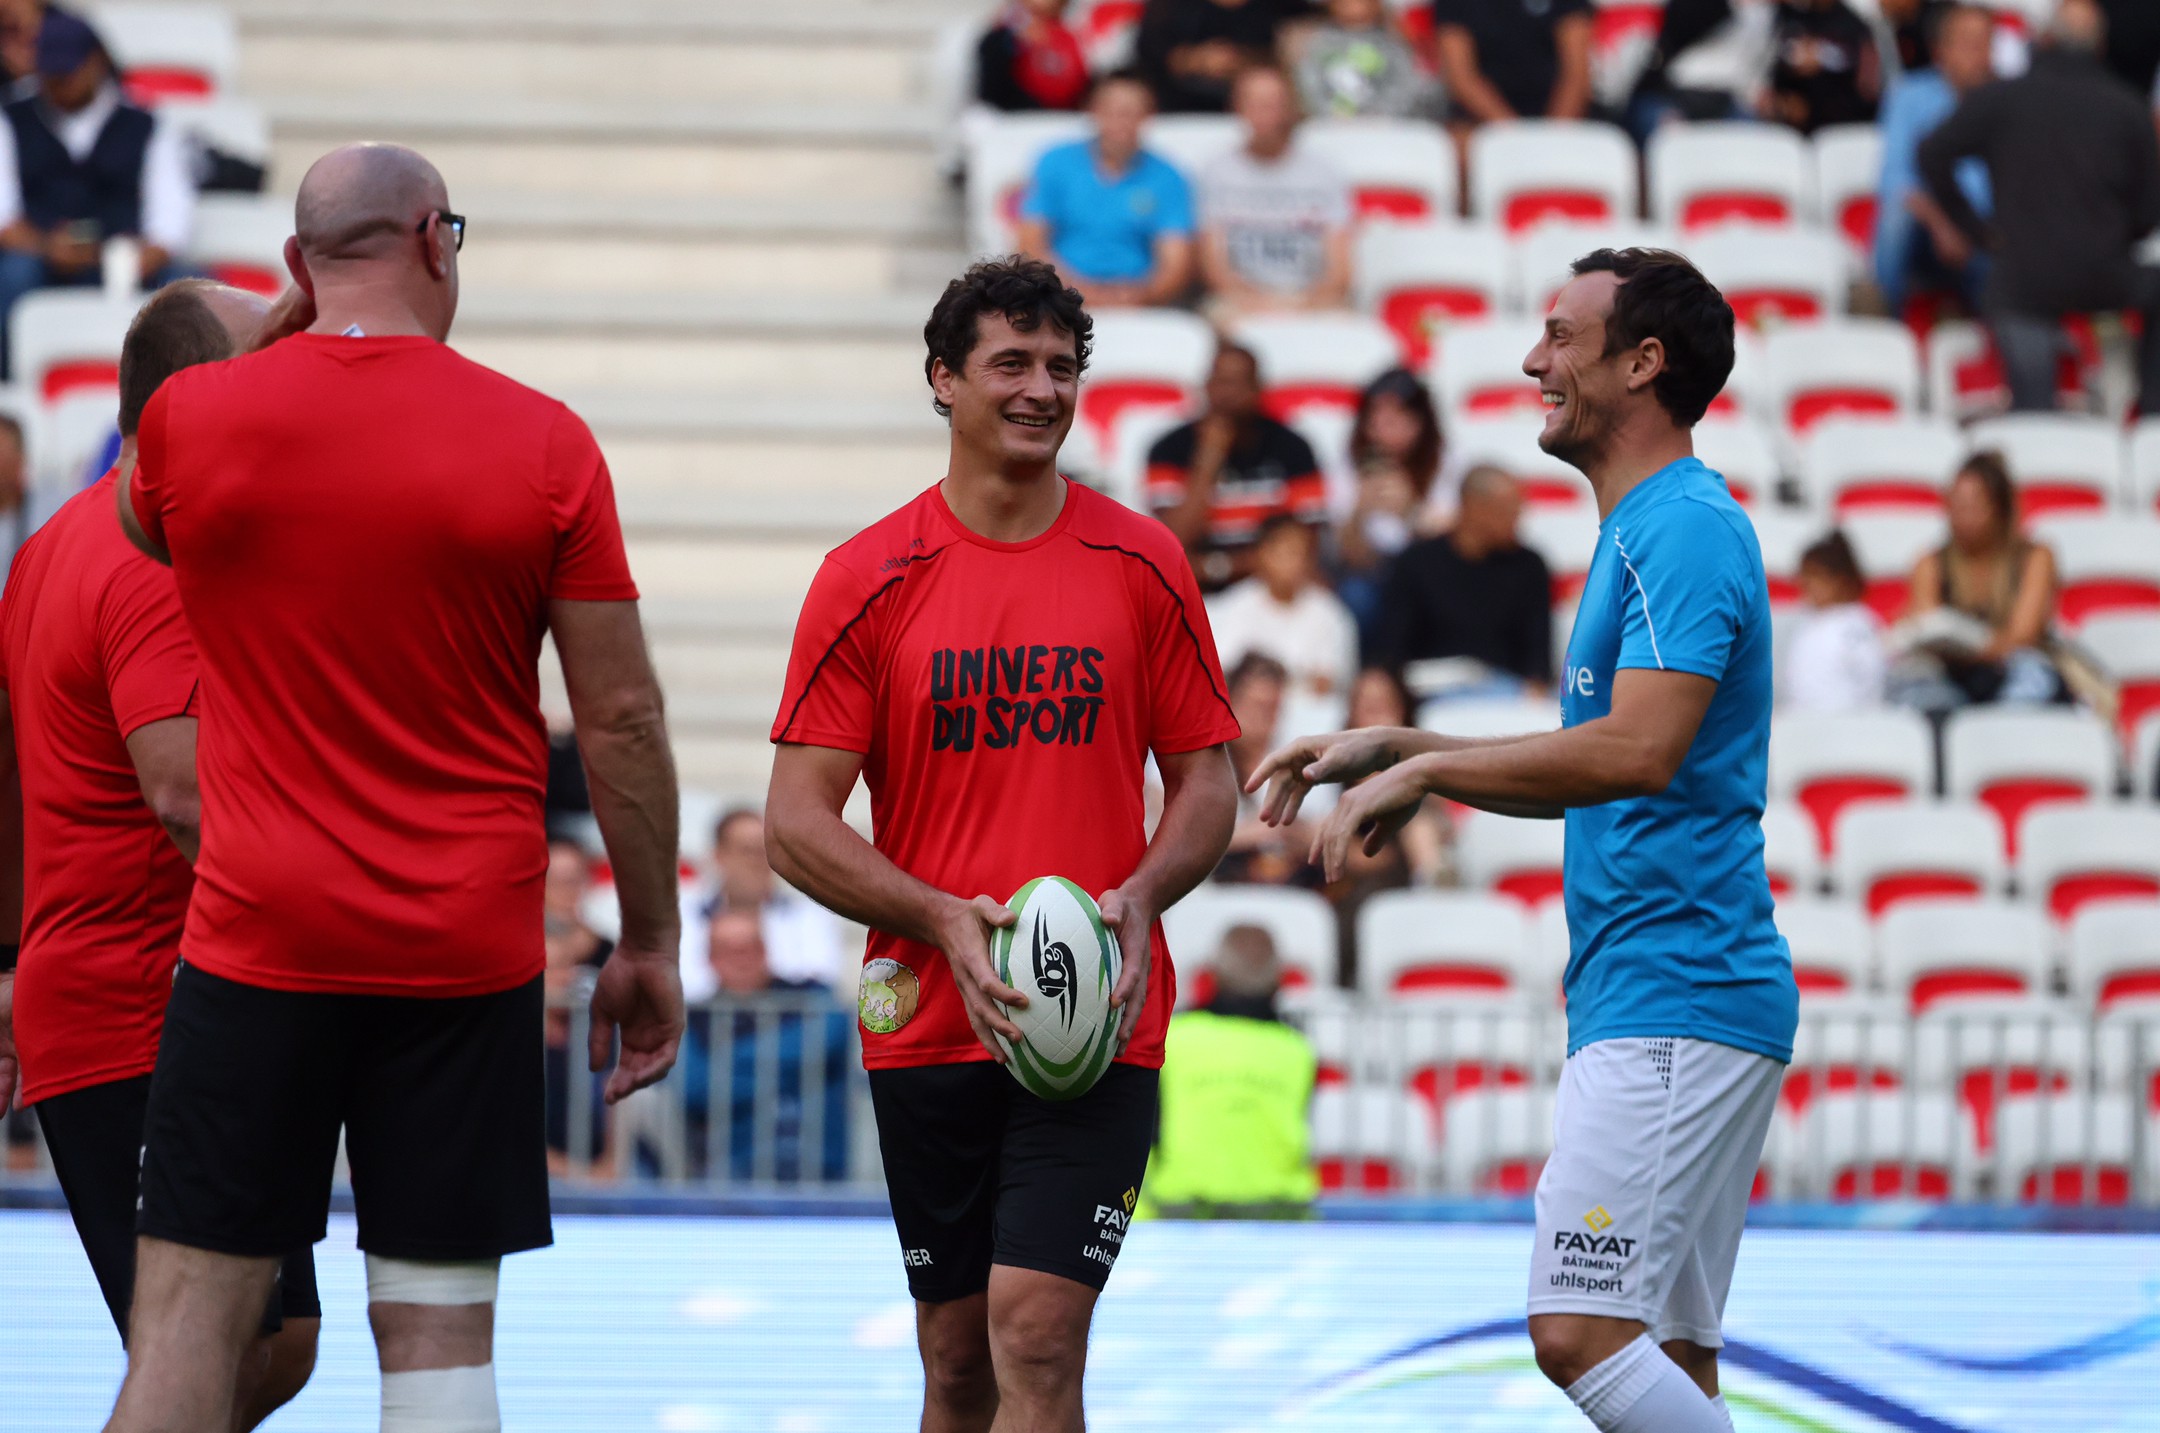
x=889, y=995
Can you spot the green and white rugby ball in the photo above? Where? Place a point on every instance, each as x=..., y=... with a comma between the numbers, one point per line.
x=1061, y=956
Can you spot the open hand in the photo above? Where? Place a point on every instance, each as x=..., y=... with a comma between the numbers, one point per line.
x=1291, y=771
x=640, y=994
x=1133, y=923
x=966, y=944
x=1377, y=810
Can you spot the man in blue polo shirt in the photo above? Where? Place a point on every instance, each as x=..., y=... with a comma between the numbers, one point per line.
x=1116, y=220
x=1680, y=996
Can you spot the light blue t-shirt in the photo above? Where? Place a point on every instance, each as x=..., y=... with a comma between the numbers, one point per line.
x=1105, y=227
x=1668, y=905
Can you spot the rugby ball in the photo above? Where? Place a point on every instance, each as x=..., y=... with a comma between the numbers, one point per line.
x=1061, y=956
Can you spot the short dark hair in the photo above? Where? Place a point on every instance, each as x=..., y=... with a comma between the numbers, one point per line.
x=1124, y=76
x=1257, y=666
x=1025, y=292
x=175, y=330
x=733, y=816
x=1281, y=522
x=1833, y=554
x=1663, y=296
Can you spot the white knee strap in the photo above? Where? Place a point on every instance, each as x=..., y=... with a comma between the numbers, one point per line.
x=441, y=1400
x=413, y=1281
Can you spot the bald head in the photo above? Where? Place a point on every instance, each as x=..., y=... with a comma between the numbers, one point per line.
x=186, y=323
x=362, y=203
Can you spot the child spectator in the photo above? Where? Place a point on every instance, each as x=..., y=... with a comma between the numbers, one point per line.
x=1827, y=69
x=1835, y=660
x=1028, y=60
x=1356, y=65
x=1274, y=222
x=1116, y=220
x=1287, y=612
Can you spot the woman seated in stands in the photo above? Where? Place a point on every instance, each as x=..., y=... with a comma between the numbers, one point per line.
x=1395, y=448
x=1979, y=620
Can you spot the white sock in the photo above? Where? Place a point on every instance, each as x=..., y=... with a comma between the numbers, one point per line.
x=1640, y=1390
x=1724, y=1411
x=441, y=1400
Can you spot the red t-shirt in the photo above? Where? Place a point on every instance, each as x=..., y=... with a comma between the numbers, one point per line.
x=92, y=648
x=366, y=534
x=1005, y=697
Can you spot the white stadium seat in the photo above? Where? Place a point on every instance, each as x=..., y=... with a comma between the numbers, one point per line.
x=1783, y=534
x=2058, y=460
x=1511, y=445
x=1001, y=162
x=65, y=436
x=1302, y=924
x=1740, y=451
x=1192, y=142
x=1135, y=434
x=1826, y=762
x=1528, y=172
x=2114, y=953
x=1516, y=858
x=1791, y=853
x=1419, y=279
x=1891, y=853
x=1477, y=370
x=2144, y=466
x=1399, y=169
x=225, y=123
x=1725, y=172
x=1543, y=255
x=1445, y=943
x=239, y=239
x=1848, y=174
x=1496, y=1141
x=1774, y=276
x=167, y=49
x=2073, y=856
x=2065, y=1147
x=1370, y=1138
x=1932, y=951
x=1878, y=1144
x=1849, y=365
x=2145, y=757
x=1851, y=464
x=2128, y=646
x=1144, y=359
x=64, y=340
x=2018, y=760
x=1889, y=544
x=1482, y=718
x=2104, y=563
x=1964, y=376
x=1323, y=359
x=1830, y=945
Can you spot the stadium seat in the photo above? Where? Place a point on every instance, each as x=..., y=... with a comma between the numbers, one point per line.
x=1467, y=718
x=1847, y=163
x=1565, y=535
x=1001, y=159
x=1516, y=858
x=1847, y=365
x=1783, y=534
x=1936, y=950
x=1742, y=453
x=1879, y=1144
x=1477, y=370
x=1317, y=359
x=1826, y=762
x=66, y=436
x=1989, y=1048
x=1418, y=943
x=1419, y=279
x=170, y=50
x=239, y=239
x=1863, y=464
x=2104, y=563
x=1623, y=42
x=1543, y=255
x=1726, y=172
x=1497, y=1142
x=1888, y=853
x=1328, y=431
x=1830, y=945
x=1398, y=169
x=1774, y=276
x=2075, y=855
x=1528, y=172
x=1510, y=443
x=1370, y=1139
x=2144, y=466
x=2128, y=646
x=2114, y=955
x=1443, y=1048
x=2059, y=460
x=1144, y=359
x=2014, y=760
x=67, y=340
x=1107, y=31
x=1888, y=545
x=1965, y=373
x=2145, y=757
x=1848, y=1042
x=2065, y=1147
x=1302, y=924
x=1791, y=856
x=1192, y=142
x=225, y=123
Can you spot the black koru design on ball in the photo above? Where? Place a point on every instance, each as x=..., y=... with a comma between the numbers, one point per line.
x=1055, y=975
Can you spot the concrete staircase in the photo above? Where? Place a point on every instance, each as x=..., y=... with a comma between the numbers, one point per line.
x=715, y=229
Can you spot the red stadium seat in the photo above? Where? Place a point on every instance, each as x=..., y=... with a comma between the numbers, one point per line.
x=1890, y=854
x=1726, y=172
x=1827, y=763
x=1938, y=951
x=1422, y=279
x=1526, y=173
x=2014, y=761
x=2074, y=856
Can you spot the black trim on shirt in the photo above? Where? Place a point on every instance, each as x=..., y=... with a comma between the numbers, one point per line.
x=1199, y=653
x=838, y=637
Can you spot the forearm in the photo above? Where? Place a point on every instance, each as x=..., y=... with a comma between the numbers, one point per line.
x=11, y=848
x=822, y=856
x=1587, y=765
x=631, y=773
x=1199, y=814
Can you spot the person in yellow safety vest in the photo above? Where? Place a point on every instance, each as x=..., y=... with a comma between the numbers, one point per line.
x=1236, y=1089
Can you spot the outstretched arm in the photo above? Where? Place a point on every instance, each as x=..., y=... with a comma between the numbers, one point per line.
x=1199, y=811
x=1348, y=756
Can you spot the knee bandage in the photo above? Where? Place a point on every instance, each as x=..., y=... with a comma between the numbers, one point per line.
x=437, y=1400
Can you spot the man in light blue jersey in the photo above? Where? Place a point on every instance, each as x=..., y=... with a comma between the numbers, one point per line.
x=1681, y=1004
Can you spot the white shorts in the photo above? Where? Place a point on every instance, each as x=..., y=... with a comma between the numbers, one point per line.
x=1639, y=1211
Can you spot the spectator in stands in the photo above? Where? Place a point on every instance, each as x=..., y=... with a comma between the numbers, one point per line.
x=572, y=947
x=1261, y=854
x=1415, y=855
x=1913, y=25
x=1192, y=51
x=85, y=166
x=1358, y=65
x=2133, y=42
x=1116, y=220
x=1515, y=59
x=1827, y=70
x=1980, y=617
x=1905, y=217
x=1711, y=61
x=20, y=21
x=2074, y=166
x=772, y=1051
x=1216, y=479
x=1274, y=220
x=1395, y=446
x=1028, y=60
x=1474, y=595
x=1286, y=611
x=17, y=520
x=1236, y=1087
x=800, y=937
x=1835, y=660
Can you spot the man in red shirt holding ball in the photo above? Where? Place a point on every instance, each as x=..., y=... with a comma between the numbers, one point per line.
x=997, y=660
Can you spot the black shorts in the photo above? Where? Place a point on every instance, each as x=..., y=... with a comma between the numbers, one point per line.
x=441, y=1101
x=95, y=1136
x=981, y=1172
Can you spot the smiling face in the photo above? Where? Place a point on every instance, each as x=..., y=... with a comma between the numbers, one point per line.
x=1583, y=388
x=1012, y=400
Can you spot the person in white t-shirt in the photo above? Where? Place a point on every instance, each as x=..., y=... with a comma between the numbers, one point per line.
x=1274, y=220
x=1284, y=611
x=1835, y=660
x=802, y=938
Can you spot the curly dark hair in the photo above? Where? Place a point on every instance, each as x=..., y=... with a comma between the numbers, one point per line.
x=1024, y=291
x=1663, y=296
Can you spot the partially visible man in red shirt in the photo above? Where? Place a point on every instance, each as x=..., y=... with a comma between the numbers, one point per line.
x=371, y=536
x=98, y=697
